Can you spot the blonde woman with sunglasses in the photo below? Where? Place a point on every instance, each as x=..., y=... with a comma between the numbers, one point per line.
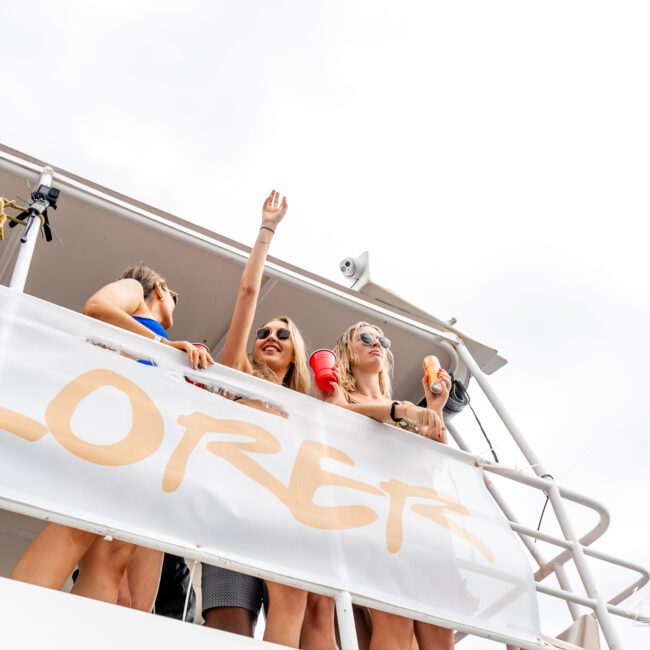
x=231, y=601
x=365, y=365
x=139, y=301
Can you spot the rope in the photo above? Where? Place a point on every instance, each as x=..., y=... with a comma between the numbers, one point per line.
x=4, y=217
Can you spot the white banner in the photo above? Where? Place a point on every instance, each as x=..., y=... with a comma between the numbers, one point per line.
x=299, y=488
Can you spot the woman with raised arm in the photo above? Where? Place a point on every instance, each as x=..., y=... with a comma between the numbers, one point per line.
x=365, y=365
x=141, y=302
x=231, y=601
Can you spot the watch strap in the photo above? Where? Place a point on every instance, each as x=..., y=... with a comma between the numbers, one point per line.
x=392, y=411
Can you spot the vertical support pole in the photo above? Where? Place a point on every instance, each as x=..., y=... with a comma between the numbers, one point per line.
x=580, y=560
x=26, y=250
x=537, y=555
x=483, y=382
x=345, y=618
x=554, y=496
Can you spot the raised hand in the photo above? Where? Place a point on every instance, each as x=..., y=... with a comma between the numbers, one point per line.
x=273, y=210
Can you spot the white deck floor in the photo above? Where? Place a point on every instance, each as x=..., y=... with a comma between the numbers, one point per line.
x=33, y=617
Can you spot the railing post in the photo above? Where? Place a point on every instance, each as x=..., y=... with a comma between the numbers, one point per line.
x=580, y=560
x=554, y=496
x=345, y=618
x=482, y=380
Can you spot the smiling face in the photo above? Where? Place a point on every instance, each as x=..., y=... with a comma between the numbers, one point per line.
x=276, y=353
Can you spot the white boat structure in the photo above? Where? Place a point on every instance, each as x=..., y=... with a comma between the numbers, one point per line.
x=320, y=498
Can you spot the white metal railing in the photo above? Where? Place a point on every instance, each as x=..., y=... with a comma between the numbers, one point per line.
x=574, y=548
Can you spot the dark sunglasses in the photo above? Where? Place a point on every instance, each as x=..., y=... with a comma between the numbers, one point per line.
x=174, y=296
x=264, y=332
x=369, y=339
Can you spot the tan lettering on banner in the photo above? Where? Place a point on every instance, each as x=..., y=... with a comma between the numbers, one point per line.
x=307, y=476
x=198, y=425
x=399, y=492
x=144, y=438
x=22, y=426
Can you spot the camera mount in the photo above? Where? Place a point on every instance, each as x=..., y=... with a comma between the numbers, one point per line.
x=43, y=198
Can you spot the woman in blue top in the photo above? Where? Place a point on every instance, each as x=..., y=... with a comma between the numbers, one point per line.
x=141, y=302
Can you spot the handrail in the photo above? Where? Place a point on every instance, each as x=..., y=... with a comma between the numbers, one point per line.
x=557, y=497
x=559, y=560
x=535, y=552
x=585, y=540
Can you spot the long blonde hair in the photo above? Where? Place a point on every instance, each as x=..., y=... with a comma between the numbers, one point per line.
x=346, y=357
x=297, y=377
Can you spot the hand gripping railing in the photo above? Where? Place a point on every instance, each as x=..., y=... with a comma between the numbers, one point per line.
x=574, y=548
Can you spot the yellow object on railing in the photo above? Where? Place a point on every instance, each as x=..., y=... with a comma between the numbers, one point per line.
x=4, y=217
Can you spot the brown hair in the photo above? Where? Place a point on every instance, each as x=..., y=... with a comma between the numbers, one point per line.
x=297, y=376
x=346, y=357
x=146, y=276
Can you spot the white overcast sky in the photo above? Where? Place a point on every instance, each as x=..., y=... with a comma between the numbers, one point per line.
x=493, y=157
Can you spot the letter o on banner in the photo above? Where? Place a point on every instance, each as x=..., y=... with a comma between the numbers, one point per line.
x=144, y=438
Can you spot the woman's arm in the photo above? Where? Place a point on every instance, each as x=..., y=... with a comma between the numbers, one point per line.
x=430, y=424
x=234, y=351
x=115, y=303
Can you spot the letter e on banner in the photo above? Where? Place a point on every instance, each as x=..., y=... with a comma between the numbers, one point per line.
x=144, y=438
x=308, y=476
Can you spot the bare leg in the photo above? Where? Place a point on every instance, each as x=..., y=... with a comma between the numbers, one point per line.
x=102, y=568
x=237, y=620
x=52, y=556
x=390, y=632
x=123, y=593
x=286, y=613
x=318, y=626
x=144, y=577
x=434, y=637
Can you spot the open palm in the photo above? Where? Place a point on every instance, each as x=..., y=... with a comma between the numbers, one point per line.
x=273, y=210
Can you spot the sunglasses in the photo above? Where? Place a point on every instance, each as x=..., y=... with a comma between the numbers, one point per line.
x=174, y=296
x=368, y=339
x=264, y=332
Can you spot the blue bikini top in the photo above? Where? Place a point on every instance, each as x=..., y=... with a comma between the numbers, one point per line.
x=153, y=325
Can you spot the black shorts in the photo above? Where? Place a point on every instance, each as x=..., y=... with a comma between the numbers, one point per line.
x=226, y=588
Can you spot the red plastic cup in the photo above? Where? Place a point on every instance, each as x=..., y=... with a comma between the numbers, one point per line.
x=322, y=362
